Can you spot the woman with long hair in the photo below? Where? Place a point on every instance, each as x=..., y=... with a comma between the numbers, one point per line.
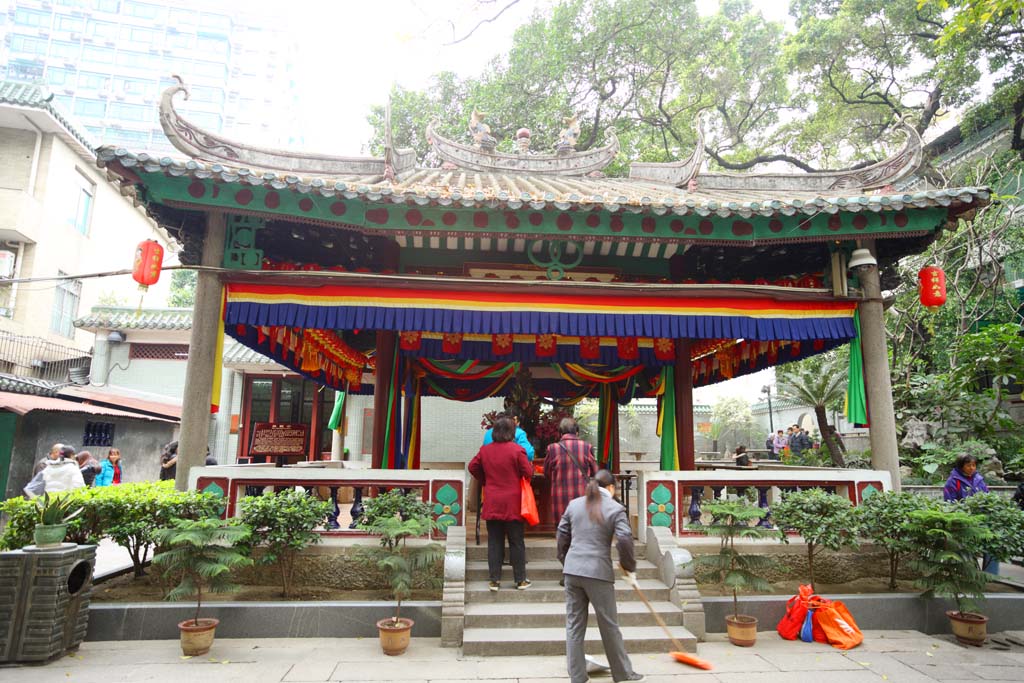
x=585, y=534
x=110, y=475
x=499, y=467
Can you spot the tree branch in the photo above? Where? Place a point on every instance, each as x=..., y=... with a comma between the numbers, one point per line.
x=473, y=30
x=761, y=159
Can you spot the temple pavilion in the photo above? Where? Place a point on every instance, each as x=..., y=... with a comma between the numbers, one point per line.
x=375, y=275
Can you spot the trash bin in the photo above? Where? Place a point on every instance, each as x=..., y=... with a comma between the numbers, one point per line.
x=44, y=601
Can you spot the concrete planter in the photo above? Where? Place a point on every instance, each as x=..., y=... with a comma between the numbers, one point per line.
x=742, y=630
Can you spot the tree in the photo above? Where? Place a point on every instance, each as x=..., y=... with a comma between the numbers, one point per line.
x=821, y=384
x=884, y=519
x=730, y=417
x=183, y=289
x=823, y=520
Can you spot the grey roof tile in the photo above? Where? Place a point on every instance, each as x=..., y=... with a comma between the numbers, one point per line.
x=28, y=95
x=131, y=319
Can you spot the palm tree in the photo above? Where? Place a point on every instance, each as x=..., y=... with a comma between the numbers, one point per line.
x=819, y=384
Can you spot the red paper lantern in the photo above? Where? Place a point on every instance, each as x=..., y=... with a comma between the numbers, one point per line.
x=149, y=258
x=932, y=281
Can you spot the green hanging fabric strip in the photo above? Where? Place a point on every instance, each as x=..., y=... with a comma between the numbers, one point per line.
x=856, y=397
x=339, y=406
x=604, y=398
x=667, y=421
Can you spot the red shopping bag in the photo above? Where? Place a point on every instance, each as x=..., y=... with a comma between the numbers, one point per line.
x=528, y=508
x=793, y=619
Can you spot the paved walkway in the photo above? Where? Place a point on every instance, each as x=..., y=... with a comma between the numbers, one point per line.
x=894, y=656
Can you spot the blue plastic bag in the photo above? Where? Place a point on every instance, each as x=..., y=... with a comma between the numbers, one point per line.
x=807, y=630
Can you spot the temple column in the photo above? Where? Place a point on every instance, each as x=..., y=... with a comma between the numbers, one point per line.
x=882, y=419
x=386, y=348
x=222, y=433
x=195, y=407
x=684, y=404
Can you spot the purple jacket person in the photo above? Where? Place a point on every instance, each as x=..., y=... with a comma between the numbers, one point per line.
x=964, y=481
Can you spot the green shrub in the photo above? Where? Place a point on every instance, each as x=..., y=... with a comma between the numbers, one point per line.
x=824, y=520
x=1003, y=519
x=393, y=504
x=282, y=525
x=947, y=542
x=202, y=553
x=884, y=519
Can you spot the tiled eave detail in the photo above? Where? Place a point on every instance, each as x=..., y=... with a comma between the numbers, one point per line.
x=459, y=189
x=130, y=319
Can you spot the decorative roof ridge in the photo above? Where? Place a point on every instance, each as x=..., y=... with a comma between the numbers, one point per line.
x=677, y=173
x=564, y=163
x=117, y=317
x=17, y=384
x=198, y=143
x=881, y=174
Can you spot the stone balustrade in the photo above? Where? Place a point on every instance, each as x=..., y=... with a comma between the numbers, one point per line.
x=444, y=489
x=673, y=499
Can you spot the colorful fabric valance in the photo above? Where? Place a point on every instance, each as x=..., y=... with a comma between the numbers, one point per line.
x=597, y=313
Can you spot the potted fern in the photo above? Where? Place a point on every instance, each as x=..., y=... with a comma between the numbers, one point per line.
x=396, y=518
x=947, y=543
x=53, y=515
x=201, y=554
x=732, y=519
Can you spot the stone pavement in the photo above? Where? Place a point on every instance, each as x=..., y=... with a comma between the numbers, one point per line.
x=894, y=656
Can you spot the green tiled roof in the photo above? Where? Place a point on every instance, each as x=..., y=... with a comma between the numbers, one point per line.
x=104, y=318
x=237, y=354
x=27, y=385
x=469, y=189
x=28, y=95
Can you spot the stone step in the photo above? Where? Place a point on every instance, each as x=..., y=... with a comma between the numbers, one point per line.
x=552, y=614
x=543, y=570
x=551, y=641
x=542, y=550
x=550, y=591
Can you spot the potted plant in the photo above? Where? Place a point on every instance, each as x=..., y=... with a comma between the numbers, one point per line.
x=734, y=570
x=823, y=520
x=947, y=542
x=399, y=561
x=53, y=515
x=200, y=554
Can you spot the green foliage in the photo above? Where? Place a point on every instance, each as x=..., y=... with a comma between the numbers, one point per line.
x=1001, y=516
x=282, y=525
x=732, y=424
x=824, y=520
x=183, y=289
x=57, y=509
x=947, y=542
x=399, y=561
x=381, y=511
x=934, y=460
x=820, y=384
x=884, y=519
x=202, y=552
x=735, y=571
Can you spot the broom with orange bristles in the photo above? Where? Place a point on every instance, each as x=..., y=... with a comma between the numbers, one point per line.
x=678, y=654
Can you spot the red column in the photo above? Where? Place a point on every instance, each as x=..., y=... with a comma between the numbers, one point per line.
x=684, y=404
x=386, y=349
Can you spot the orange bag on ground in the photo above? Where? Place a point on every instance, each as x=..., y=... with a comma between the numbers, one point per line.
x=838, y=624
x=528, y=508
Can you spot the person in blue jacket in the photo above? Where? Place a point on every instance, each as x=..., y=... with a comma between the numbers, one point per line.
x=110, y=475
x=520, y=439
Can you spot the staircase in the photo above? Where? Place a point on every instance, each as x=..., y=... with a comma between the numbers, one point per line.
x=532, y=621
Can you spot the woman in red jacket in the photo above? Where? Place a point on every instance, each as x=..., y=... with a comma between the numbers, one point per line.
x=499, y=467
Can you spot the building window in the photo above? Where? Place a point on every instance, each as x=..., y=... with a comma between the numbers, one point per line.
x=85, y=191
x=138, y=60
x=32, y=46
x=158, y=351
x=126, y=138
x=204, y=94
x=98, y=434
x=103, y=30
x=131, y=112
x=216, y=22
x=27, y=17
x=134, y=86
x=65, y=51
x=24, y=71
x=210, y=69
x=136, y=34
x=57, y=76
x=91, y=81
x=93, y=109
x=142, y=10
x=99, y=55
x=66, y=23
x=65, y=306
x=111, y=6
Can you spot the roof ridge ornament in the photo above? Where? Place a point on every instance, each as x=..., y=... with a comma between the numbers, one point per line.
x=881, y=174
x=480, y=157
x=675, y=173
x=201, y=144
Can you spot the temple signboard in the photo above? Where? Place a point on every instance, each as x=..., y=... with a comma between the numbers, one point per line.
x=278, y=439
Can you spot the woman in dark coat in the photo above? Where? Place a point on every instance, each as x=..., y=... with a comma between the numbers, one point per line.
x=499, y=467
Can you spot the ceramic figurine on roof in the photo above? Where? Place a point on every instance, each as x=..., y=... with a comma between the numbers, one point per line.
x=481, y=132
x=523, y=141
x=569, y=136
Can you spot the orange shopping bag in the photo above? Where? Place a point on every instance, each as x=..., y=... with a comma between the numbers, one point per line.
x=528, y=508
x=838, y=624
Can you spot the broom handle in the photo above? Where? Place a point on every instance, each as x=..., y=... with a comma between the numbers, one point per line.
x=657, y=618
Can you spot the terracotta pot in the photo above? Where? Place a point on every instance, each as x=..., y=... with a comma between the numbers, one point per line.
x=49, y=535
x=742, y=630
x=197, y=639
x=394, y=638
x=968, y=627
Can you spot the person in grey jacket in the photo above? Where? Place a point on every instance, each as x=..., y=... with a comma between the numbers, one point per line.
x=584, y=548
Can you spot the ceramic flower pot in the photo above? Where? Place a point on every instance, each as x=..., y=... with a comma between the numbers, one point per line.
x=742, y=630
x=394, y=637
x=49, y=535
x=968, y=627
x=196, y=639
